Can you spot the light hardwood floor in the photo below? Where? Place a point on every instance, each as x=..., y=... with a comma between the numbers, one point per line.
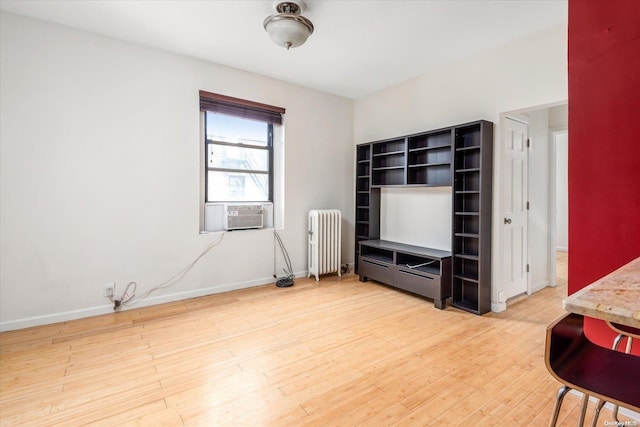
x=338, y=352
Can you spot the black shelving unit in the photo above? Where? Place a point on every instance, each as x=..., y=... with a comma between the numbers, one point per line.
x=458, y=156
x=472, y=200
x=367, y=200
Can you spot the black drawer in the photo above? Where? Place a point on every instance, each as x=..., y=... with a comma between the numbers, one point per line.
x=376, y=270
x=418, y=282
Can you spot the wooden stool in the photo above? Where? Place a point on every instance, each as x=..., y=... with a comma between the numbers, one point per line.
x=579, y=364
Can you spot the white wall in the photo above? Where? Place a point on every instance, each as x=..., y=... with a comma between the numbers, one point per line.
x=559, y=116
x=422, y=224
x=527, y=72
x=100, y=171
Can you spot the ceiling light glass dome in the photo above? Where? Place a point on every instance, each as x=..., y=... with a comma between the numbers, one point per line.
x=288, y=28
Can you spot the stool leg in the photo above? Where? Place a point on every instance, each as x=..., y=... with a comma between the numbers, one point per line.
x=599, y=406
x=616, y=341
x=556, y=409
x=627, y=350
x=614, y=411
x=583, y=409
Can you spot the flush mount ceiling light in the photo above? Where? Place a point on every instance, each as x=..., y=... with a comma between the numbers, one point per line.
x=288, y=28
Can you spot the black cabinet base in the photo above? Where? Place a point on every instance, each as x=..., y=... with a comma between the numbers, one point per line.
x=439, y=303
x=415, y=269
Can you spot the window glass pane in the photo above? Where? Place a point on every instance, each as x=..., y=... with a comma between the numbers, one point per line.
x=230, y=157
x=237, y=187
x=236, y=130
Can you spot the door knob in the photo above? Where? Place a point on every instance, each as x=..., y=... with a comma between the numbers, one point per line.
x=507, y=220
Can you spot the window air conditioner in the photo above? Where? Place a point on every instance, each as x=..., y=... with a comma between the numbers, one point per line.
x=243, y=216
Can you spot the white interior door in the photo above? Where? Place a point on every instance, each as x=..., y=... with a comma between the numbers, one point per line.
x=515, y=136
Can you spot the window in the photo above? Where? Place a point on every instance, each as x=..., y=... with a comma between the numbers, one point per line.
x=236, y=185
x=242, y=157
x=238, y=148
x=239, y=158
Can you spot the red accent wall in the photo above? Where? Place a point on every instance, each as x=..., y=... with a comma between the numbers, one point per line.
x=604, y=143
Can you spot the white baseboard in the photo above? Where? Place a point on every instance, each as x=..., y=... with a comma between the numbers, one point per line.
x=498, y=307
x=539, y=286
x=65, y=316
x=48, y=319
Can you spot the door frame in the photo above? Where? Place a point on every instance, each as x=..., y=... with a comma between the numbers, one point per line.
x=553, y=206
x=498, y=304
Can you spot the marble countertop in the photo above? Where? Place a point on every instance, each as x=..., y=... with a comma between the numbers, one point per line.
x=615, y=297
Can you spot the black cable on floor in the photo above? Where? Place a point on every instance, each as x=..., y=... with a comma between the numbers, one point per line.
x=286, y=281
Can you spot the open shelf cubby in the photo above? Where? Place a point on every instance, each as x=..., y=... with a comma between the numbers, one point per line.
x=388, y=176
x=429, y=158
x=418, y=263
x=388, y=162
x=363, y=184
x=429, y=175
x=363, y=168
x=362, y=199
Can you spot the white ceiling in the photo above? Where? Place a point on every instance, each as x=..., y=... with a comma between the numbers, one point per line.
x=358, y=47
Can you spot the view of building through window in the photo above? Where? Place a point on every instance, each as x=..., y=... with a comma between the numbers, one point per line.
x=238, y=159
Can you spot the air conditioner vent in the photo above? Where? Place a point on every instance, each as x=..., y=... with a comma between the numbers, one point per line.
x=239, y=216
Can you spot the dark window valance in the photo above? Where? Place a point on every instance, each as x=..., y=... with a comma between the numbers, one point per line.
x=240, y=107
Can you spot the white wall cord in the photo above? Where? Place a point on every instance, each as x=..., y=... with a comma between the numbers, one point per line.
x=129, y=298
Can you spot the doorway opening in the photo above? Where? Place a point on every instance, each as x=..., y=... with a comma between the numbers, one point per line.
x=544, y=192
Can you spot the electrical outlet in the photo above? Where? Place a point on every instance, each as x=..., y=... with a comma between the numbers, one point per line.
x=109, y=290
